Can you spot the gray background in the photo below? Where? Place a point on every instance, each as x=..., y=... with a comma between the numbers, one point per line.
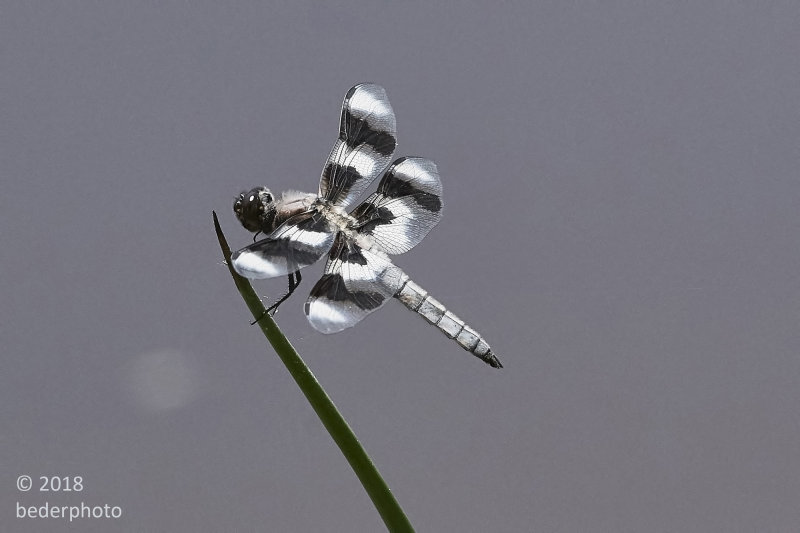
x=621, y=223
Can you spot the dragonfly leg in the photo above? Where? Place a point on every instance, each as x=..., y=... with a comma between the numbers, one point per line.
x=294, y=282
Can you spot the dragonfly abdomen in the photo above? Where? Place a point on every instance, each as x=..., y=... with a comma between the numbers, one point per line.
x=417, y=299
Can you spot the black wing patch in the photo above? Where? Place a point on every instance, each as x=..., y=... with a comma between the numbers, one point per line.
x=406, y=206
x=356, y=282
x=365, y=145
x=300, y=241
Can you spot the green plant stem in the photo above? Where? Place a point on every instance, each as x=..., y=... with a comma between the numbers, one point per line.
x=340, y=431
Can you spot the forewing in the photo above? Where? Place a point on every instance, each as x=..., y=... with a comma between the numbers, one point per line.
x=406, y=206
x=367, y=138
x=300, y=241
x=356, y=282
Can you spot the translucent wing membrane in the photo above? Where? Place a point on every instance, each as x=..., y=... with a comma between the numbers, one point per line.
x=406, y=206
x=367, y=138
x=356, y=282
x=300, y=241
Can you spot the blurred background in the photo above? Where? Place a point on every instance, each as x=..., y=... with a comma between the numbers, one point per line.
x=621, y=223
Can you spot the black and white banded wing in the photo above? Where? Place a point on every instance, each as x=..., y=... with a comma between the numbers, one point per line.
x=406, y=206
x=367, y=138
x=300, y=241
x=356, y=283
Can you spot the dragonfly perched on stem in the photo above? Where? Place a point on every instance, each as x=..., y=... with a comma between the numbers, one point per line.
x=300, y=228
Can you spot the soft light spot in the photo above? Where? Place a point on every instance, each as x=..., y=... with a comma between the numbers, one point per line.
x=162, y=380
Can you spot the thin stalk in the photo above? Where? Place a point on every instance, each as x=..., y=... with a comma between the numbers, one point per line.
x=340, y=431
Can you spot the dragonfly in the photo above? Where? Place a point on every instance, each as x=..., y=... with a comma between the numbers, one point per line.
x=359, y=277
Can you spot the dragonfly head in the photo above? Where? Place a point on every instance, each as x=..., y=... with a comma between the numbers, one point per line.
x=255, y=209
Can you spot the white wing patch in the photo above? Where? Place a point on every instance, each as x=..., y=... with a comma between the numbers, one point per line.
x=299, y=242
x=356, y=283
x=406, y=206
x=367, y=138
